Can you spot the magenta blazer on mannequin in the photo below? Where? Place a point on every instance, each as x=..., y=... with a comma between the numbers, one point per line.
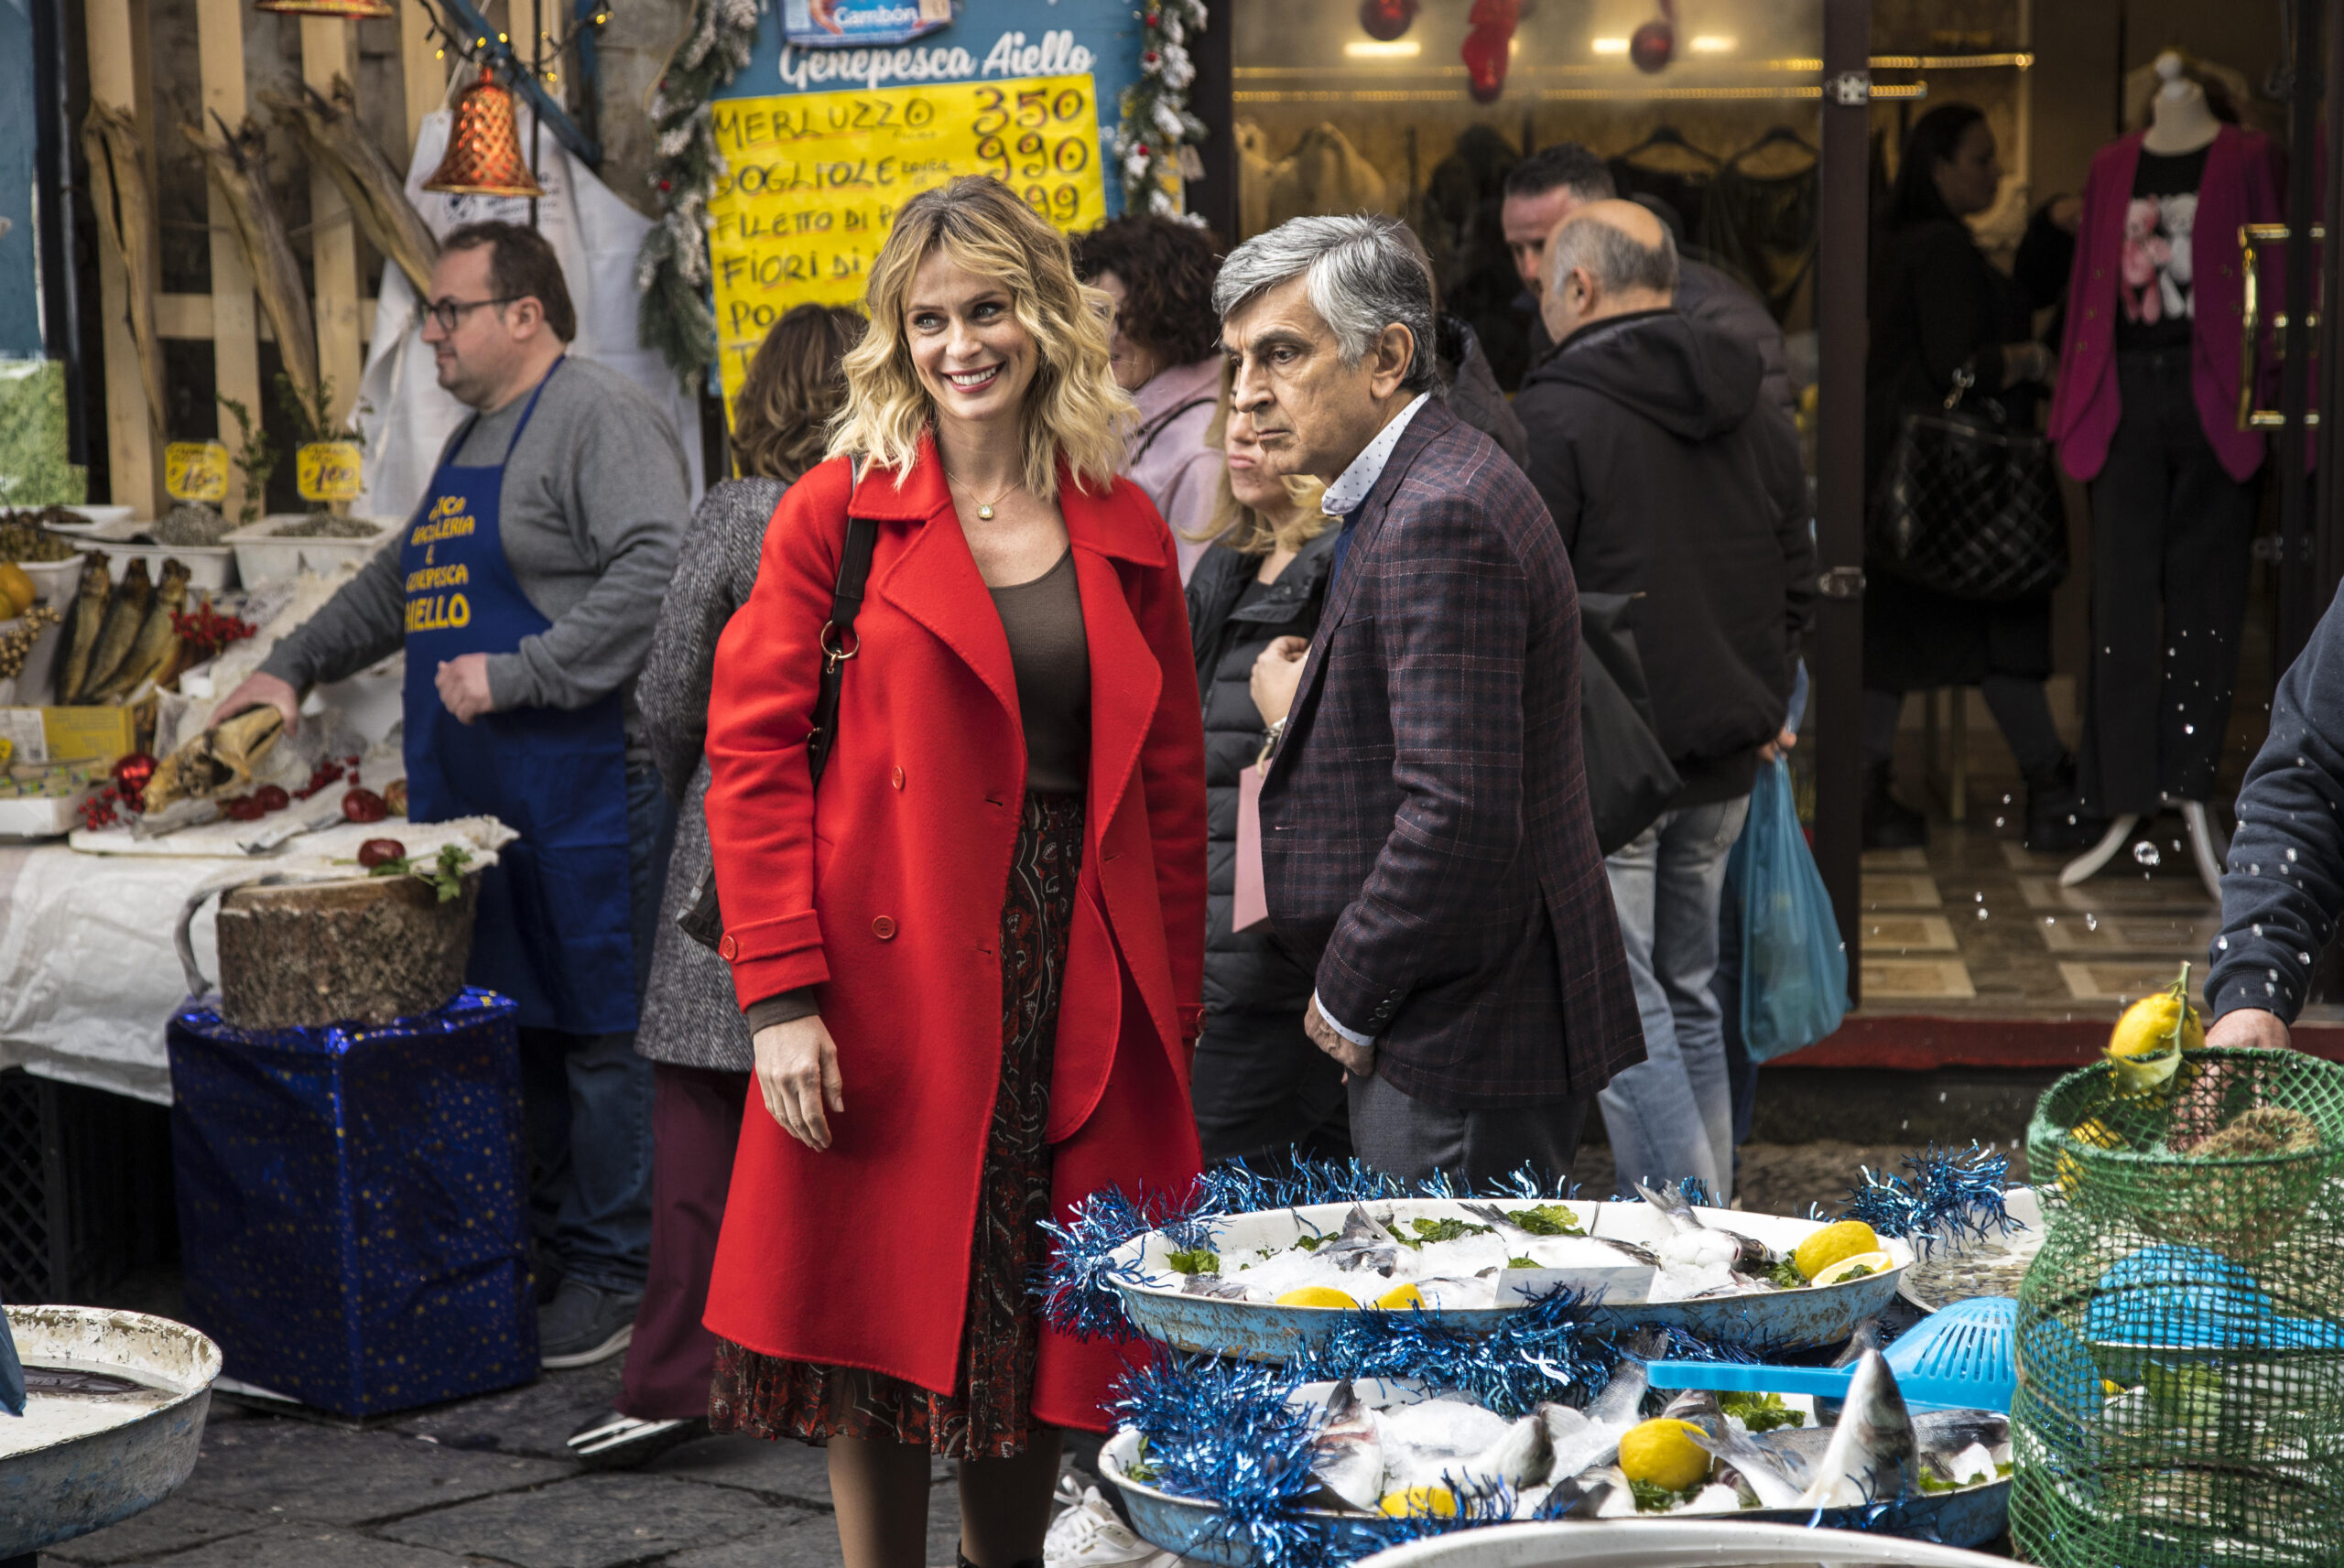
x=2241, y=185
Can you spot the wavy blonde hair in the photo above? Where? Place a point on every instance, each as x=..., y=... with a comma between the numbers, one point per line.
x=1243, y=528
x=1073, y=408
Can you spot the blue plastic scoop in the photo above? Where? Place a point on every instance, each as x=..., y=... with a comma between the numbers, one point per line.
x=1963, y=1357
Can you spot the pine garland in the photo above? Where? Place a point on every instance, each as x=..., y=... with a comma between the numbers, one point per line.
x=1158, y=130
x=671, y=270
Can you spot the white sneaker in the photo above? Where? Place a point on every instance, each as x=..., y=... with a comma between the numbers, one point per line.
x=1087, y=1534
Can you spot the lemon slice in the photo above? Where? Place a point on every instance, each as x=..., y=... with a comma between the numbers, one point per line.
x=1401, y=1300
x=1844, y=1238
x=1316, y=1296
x=1862, y=1263
x=1419, y=1502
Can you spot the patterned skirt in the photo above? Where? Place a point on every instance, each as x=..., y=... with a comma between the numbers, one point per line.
x=989, y=1411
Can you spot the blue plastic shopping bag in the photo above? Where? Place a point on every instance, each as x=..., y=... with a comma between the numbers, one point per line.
x=1794, y=966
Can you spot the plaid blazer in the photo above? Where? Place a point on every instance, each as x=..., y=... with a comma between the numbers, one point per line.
x=1427, y=844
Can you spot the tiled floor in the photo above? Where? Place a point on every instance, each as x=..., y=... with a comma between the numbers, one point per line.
x=1976, y=924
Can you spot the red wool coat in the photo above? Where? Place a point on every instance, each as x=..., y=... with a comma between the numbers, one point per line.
x=884, y=891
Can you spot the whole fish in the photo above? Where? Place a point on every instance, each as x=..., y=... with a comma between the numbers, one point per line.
x=1780, y=1466
x=1873, y=1450
x=124, y=616
x=1524, y=1457
x=157, y=647
x=1866, y=1337
x=81, y=632
x=1578, y=1441
x=1349, y=1461
x=1755, y=1256
x=1621, y=1405
x=1363, y=1244
x=1212, y=1287
x=1692, y=1405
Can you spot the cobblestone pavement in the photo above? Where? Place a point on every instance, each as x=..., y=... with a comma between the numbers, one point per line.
x=485, y=1480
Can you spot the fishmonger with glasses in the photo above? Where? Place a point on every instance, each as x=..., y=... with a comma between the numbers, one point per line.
x=524, y=591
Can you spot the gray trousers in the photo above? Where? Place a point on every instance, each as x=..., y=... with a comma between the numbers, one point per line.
x=1411, y=1139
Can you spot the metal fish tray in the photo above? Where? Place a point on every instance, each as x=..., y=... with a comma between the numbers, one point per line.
x=1775, y=1320
x=1191, y=1529
x=74, y=1463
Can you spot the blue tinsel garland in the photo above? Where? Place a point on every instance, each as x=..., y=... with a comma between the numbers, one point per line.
x=1944, y=1191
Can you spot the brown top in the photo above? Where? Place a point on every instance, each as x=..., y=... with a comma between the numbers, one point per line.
x=1051, y=656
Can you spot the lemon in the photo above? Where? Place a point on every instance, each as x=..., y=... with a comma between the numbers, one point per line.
x=1317, y=1296
x=1401, y=1300
x=1663, y=1454
x=17, y=588
x=1419, y=1502
x=2147, y=1043
x=1868, y=1263
x=1828, y=1245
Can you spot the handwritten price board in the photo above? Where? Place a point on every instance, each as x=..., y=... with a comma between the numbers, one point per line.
x=327, y=471
x=816, y=181
x=195, y=470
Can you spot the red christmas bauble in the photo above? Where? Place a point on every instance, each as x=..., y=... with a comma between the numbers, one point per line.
x=1386, y=19
x=130, y=775
x=1652, y=46
x=1488, y=49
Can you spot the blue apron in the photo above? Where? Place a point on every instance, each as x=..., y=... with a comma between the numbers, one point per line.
x=554, y=931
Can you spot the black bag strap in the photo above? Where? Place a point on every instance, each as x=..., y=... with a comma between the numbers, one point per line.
x=838, y=639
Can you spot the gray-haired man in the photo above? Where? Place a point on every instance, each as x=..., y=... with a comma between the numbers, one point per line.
x=1661, y=464
x=1428, y=849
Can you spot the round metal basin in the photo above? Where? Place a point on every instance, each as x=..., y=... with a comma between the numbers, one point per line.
x=75, y=1462
x=1669, y=1543
x=1778, y=1320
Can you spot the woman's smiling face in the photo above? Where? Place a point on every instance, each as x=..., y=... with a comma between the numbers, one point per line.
x=969, y=349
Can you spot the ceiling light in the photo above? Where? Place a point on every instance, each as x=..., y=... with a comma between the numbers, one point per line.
x=1609, y=46
x=1372, y=49
x=1713, y=43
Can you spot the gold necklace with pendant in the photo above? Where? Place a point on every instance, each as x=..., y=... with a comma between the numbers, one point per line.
x=984, y=508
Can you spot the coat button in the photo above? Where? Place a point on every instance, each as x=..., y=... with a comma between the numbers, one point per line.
x=727, y=948
x=883, y=929
x=899, y=778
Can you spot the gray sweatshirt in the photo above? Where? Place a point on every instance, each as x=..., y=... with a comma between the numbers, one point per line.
x=593, y=507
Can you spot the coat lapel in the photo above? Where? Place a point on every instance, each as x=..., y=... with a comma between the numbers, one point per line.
x=934, y=580
x=1124, y=680
x=1431, y=420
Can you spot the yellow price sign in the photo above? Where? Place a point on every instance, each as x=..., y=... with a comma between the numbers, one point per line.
x=327, y=471
x=195, y=470
x=815, y=181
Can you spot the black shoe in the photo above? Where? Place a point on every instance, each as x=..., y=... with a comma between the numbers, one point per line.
x=585, y=1324
x=2057, y=821
x=1889, y=824
x=616, y=1442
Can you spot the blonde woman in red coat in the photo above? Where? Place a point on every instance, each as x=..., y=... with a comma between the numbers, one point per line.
x=972, y=957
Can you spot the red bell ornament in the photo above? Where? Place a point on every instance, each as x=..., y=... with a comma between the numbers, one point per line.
x=1385, y=20
x=484, y=147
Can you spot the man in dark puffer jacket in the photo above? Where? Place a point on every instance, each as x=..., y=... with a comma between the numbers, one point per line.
x=1670, y=477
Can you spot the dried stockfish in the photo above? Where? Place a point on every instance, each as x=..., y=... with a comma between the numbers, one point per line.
x=239, y=165
x=338, y=144
x=127, y=213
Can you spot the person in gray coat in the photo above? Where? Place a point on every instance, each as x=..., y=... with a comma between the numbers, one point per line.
x=692, y=1030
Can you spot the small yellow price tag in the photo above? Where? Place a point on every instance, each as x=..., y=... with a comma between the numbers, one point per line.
x=328, y=470
x=196, y=470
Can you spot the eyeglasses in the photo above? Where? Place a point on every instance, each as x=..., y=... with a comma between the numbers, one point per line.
x=450, y=313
